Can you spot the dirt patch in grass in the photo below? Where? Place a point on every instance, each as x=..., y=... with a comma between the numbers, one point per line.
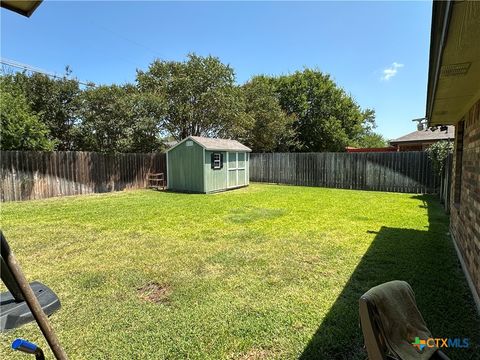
x=155, y=293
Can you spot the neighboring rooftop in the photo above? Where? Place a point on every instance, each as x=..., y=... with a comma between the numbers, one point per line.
x=427, y=135
x=217, y=144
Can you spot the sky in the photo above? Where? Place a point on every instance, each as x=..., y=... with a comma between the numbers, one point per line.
x=376, y=51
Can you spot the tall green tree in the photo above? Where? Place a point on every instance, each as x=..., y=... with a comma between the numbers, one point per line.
x=146, y=126
x=327, y=118
x=54, y=101
x=118, y=119
x=272, y=127
x=200, y=94
x=371, y=140
x=20, y=128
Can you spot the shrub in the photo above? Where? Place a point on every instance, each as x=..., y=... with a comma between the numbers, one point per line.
x=438, y=154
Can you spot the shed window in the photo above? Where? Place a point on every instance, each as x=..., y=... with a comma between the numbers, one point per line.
x=241, y=160
x=232, y=160
x=217, y=161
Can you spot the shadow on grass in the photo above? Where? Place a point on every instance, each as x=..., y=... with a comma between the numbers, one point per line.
x=425, y=259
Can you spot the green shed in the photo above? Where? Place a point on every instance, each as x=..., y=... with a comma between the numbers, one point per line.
x=204, y=165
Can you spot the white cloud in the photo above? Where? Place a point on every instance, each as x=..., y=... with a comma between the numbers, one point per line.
x=391, y=71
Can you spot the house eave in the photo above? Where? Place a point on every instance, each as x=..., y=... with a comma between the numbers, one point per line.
x=441, y=12
x=454, y=65
x=419, y=142
x=25, y=8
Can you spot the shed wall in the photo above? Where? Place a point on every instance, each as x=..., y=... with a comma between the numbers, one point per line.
x=185, y=171
x=215, y=180
x=233, y=174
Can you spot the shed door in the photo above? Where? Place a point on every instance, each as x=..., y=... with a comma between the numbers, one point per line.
x=232, y=169
x=241, y=169
x=236, y=163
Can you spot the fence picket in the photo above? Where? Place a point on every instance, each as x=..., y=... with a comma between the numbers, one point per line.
x=26, y=175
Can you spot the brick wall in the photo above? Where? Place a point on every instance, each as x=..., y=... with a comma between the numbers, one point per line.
x=465, y=204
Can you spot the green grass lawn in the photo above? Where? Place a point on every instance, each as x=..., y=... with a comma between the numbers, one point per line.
x=262, y=272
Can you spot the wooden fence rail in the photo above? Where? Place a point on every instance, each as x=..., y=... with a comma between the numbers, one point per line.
x=408, y=172
x=27, y=175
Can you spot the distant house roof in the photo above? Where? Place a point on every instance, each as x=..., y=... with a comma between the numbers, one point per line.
x=216, y=144
x=23, y=7
x=427, y=135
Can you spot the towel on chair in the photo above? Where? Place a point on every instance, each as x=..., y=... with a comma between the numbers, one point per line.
x=400, y=321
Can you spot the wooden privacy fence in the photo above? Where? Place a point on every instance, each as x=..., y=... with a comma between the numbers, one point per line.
x=27, y=175
x=409, y=172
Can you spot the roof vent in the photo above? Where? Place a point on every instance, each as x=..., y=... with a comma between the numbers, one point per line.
x=455, y=69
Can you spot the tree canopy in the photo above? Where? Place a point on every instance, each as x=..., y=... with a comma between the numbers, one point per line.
x=53, y=100
x=327, y=118
x=201, y=97
x=117, y=119
x=271, y=126
x=371, y=140
x=302, y=111
x=21, y=129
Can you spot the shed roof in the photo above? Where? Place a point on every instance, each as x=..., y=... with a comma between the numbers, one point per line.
x=169, y=144
x=427, y=135
x=216, y=144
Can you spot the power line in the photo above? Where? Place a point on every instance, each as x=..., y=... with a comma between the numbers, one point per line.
x=33, y=69
x=121, y=36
